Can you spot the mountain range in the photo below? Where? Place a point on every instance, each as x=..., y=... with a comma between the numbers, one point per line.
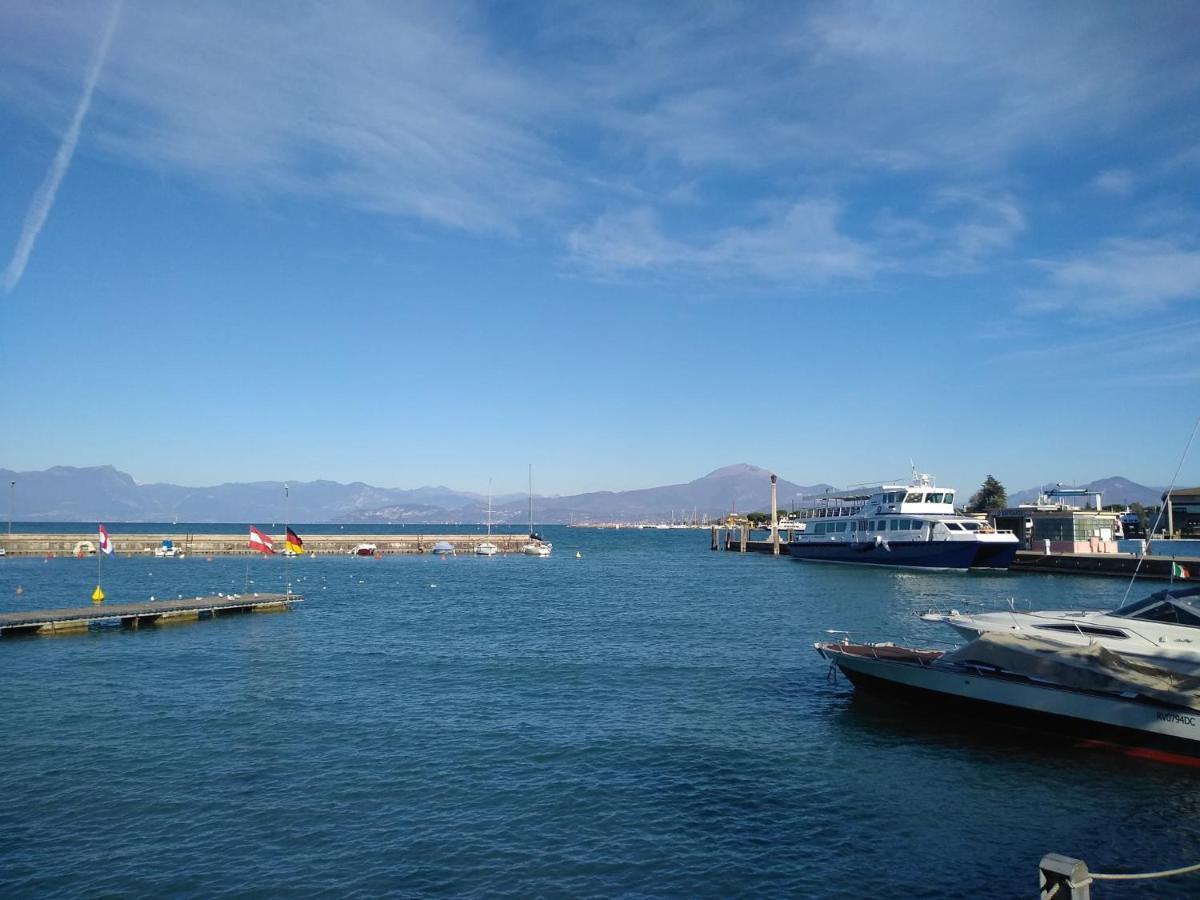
x=103, y=493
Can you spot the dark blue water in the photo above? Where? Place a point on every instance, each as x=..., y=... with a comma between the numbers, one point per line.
x=649, y=720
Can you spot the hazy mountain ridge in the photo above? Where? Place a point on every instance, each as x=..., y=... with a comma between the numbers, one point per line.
x=103, y=493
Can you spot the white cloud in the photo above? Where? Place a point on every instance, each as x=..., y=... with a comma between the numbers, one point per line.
x=400, y=110
x=796, y=243
x=1115, y=181
x=1124, y=277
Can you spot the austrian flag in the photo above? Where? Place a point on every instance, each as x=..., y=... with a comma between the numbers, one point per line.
x=261, y=542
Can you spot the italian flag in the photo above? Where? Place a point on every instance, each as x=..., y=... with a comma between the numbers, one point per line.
x=1178, y=571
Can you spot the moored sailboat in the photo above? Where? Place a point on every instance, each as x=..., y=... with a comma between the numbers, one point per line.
x=487, y=548
x=537, y=545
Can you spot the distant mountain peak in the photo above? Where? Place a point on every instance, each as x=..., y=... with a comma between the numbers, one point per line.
x=737, y=470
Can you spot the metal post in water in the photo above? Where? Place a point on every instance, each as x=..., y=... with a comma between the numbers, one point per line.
x=774, y=517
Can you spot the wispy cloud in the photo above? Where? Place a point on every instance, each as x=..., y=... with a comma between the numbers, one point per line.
x=500, y=121
x=1124, y=277
x=43, y=199
x=1115, y=181
x=797, y=243
x=1160, y=355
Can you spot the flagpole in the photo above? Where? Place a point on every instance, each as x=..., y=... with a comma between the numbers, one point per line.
x=287, y=556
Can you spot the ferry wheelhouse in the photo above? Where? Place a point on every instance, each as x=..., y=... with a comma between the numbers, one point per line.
x=912, y=525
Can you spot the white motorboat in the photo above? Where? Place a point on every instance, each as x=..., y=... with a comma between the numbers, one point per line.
x=1091, y=692
x=909, y=526
x=1164, y=627
x=365, y=550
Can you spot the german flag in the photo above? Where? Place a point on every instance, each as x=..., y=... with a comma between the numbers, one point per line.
x=294, y=543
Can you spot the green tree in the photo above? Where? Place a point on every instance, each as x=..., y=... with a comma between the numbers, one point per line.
x=990, y=496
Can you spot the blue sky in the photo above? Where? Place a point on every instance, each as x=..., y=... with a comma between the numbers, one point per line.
x=629, y=243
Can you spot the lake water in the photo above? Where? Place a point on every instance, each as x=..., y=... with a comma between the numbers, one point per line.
x=649, y=720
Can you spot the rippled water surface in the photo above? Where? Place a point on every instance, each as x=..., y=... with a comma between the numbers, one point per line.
x=649, y=720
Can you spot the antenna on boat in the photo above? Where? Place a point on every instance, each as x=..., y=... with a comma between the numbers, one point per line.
x=1158, y=518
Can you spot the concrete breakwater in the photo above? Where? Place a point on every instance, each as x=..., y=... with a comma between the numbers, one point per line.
x=196, y=544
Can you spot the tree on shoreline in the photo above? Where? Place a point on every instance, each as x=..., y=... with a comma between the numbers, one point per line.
x=990, y=496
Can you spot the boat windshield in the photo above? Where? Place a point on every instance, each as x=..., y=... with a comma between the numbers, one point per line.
x=1180, y=607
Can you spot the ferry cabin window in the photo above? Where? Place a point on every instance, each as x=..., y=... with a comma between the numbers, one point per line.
x=914, y=498
x=897, y=524
x=950, y=497
x=954, y=526
x=934, y=498
x=971, y=526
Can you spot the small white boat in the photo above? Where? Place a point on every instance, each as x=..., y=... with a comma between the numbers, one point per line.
x=168, y=550
x=1163, y=628
x=1090, y=692
x=537, y=546
x=365, y=550
x=487, y=548
x=444, y=548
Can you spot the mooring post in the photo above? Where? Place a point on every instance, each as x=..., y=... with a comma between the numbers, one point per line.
x=743, y=536
x=1063, y=878
x=774, y=517
x=715, y=537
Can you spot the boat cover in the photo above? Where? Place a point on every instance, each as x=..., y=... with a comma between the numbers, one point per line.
x=1092, y=668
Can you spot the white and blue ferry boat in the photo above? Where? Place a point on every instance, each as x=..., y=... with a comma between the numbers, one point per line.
x=913, y=525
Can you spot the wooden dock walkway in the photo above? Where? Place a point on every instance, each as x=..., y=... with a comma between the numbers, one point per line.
x=136, y=615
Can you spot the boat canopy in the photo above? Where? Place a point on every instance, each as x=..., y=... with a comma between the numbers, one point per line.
x=1087, y=668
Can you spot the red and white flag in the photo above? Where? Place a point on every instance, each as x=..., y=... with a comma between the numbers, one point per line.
x=261, y=542
x=105, y=543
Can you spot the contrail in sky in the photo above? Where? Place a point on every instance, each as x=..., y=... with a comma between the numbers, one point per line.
x=44, y=198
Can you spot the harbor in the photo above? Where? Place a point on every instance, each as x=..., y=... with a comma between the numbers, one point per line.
x=673, y=688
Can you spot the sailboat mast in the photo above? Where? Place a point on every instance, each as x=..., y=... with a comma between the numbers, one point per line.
x=531, y=499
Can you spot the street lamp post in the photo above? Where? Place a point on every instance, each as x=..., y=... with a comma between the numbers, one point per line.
x=12, y=492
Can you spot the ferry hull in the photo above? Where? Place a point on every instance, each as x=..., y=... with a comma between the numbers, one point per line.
x=906, y=554
x=995, y=555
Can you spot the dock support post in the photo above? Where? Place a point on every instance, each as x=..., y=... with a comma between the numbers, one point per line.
x=774, y=517
x=715, y=537
x=743, y=536
x=1170, y=517
x=1063, y=878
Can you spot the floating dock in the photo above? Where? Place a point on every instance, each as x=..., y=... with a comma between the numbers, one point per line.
x=137, y=615
x=198, y=544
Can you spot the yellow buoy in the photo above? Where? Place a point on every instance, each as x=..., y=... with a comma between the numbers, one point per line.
x=97, y=595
